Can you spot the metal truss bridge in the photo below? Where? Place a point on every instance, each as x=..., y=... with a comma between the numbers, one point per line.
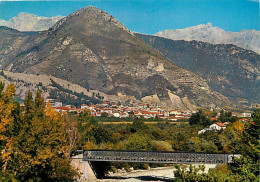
x=156, y=157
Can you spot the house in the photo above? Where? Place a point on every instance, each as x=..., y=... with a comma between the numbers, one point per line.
x=173, y=118
x=246, y=115
x=124, y=115
x=173, y=112
x=218, y=126
x=117, y=115
x=204, y=130
x=84, y=106
x=150, y=114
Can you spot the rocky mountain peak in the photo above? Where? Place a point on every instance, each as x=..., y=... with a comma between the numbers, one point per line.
x=90, y=15
x=247, y=39
x=29, y=22
x=24, y=14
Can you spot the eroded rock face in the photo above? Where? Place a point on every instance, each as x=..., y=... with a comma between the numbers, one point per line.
x=29, y=22
x=247, y=39
x=94, y=50
x=228, y=69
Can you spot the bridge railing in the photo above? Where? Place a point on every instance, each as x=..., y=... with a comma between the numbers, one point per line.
x=155, y=157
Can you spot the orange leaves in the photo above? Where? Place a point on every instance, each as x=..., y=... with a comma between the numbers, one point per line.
x=51, y=113
x=9, y=93
x=6, y=120
x=238, y=126
x=34, y=144
x=6, y=107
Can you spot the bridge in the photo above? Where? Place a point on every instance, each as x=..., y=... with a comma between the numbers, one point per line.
x=95, y=161
x=156, y=157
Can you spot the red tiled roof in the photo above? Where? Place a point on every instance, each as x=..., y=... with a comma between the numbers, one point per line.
x=220, y=124
x=63, y=108
x=173, y=117
x=147, y=112
x=64, y=112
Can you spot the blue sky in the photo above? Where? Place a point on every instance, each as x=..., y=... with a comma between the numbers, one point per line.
x=151, y=16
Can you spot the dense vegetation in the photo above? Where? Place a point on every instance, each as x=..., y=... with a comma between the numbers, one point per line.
x=36, y=141
x=33, y=141
x=245, y=168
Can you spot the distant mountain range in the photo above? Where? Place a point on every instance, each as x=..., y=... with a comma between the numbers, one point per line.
x=90, y=49
x=29, y=22
x=247, y=39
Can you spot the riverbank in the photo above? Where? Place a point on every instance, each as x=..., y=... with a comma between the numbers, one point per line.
x=161, y=174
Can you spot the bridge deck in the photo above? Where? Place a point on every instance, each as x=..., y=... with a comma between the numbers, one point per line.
x=155, y=157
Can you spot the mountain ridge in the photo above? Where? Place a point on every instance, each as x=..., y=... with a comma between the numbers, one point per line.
x=247, y=39
x=228, y=69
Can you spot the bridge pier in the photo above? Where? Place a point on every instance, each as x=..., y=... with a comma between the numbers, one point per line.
x=83, y=167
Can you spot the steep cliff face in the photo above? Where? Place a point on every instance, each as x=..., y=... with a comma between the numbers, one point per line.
x=94, y=50
x=29, y=22
x=228, y=69
x=10, y=41
x=247, y=39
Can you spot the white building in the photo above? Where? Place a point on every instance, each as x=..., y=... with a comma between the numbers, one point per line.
x=218, y=126
x=84, y=106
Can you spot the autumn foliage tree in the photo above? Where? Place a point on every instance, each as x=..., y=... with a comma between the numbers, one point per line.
x=38, y=149
x=6, y=124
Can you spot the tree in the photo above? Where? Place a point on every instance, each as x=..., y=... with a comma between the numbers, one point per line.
x=247, y=167
x=137, y=125
x=6, y=123
x=84, y=120
x=71, y=127
x=38, y=151
x=196, y=174
x=199, y=118
x=39, y=104
x=29, y=106
x=190, y=175
x=104, y=114
x=226, y=116
x=139, y=142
